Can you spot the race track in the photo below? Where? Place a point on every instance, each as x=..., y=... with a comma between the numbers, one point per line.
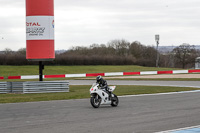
x=137, y=114
x=195, y=84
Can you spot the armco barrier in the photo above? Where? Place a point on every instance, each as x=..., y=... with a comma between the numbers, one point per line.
x=45, y=87
x=106, y=74
x=34, y=87
x=3, y=87
x=15, y=87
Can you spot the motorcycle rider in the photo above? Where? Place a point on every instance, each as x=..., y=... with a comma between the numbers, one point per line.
x=103, y=84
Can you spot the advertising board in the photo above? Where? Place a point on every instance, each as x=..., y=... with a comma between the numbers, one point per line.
x=40, y=30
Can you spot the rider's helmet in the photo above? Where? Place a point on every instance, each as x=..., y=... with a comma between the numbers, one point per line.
x=99, y=78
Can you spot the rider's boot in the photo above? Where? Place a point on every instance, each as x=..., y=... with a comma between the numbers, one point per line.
x=109, y=95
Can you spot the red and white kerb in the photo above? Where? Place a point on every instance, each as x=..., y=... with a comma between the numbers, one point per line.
x=104, y=74
x=40, y=30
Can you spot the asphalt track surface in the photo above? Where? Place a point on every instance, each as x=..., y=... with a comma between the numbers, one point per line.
x=135, y=114
x=195, y=84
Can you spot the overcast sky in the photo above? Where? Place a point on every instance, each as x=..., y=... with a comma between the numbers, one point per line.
x=84, y=22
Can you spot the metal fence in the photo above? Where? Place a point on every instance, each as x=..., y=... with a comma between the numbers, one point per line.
x=15, y=87
x=34, y=87
x=3, y=87
x=45, y=87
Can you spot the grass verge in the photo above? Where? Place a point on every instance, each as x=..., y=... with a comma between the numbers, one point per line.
x=142, y=79
x=82, y=91
x=107, y=78
x=51, y=70
x=159, y=79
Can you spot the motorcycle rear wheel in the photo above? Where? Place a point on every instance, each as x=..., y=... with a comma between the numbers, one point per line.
x=114, y=101
x=95, y=101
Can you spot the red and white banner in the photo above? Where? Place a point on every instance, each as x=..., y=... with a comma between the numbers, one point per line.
x=40, y=30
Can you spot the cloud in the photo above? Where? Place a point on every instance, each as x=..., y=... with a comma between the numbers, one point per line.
x=83, y=22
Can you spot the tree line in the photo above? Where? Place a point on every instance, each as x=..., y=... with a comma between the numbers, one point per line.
x=115, y=52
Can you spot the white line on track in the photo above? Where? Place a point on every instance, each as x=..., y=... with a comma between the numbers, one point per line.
x=169, y=93
x=174, y=130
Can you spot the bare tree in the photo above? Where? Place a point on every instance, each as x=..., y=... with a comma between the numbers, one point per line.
x=8, y=51
x=185, y=54
x=121, y=46
x=136, y=49
x=22, y=51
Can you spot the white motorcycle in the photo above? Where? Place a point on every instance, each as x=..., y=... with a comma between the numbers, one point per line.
x=100, y=96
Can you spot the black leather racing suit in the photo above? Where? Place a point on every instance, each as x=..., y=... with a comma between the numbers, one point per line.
x=103, y=84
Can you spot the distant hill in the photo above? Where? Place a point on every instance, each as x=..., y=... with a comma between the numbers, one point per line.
x=60, y=51
x=166, y=49
x=197, y=47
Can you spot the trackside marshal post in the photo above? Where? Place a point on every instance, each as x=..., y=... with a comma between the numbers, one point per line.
x=40, y=31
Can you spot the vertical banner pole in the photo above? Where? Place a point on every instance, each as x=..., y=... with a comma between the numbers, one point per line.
x=40, y=32
x=40, y=71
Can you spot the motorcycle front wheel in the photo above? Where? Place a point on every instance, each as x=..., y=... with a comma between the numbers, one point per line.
x=95, y=101
x=114, y=101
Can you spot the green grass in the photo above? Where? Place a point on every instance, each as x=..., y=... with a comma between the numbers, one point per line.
x=51, y=70
x=157, y=79
x=6, y=71
x=82, y=91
